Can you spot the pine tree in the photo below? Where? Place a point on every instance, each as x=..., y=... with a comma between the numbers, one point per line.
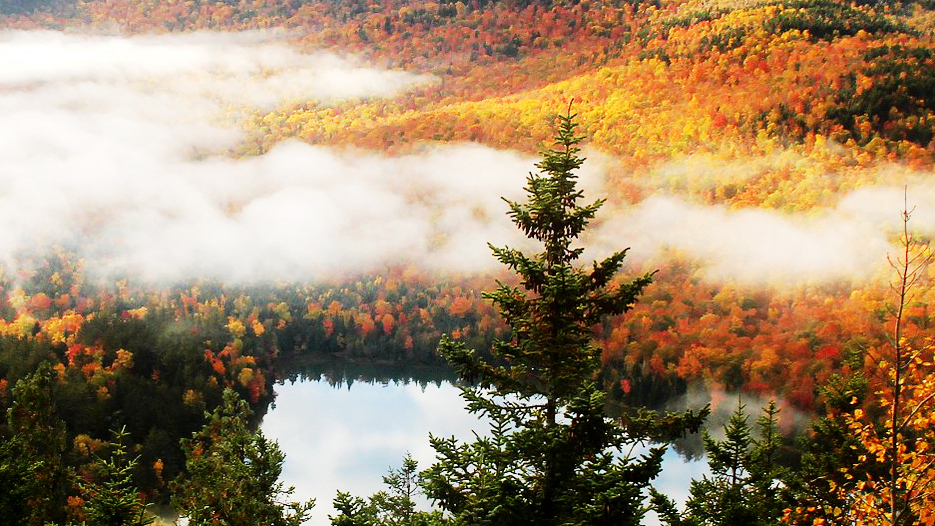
x=745, y=478
x=112, y=499
x=398, y=502
x=813, y=489
x=394, y=507
x=233, y=474
x=553, y=457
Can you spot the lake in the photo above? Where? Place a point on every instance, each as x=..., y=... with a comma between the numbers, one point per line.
x=347, y=437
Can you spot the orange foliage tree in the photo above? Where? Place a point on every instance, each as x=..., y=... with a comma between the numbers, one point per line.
x=901, y=441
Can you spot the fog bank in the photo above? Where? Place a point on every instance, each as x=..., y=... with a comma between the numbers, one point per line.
x=117, y=147
x=760, y=246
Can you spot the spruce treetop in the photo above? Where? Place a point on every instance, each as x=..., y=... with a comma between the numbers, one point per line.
x=556, y=303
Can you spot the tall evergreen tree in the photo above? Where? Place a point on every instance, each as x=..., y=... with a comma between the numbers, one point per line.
x=233, y=474
x=553, y=457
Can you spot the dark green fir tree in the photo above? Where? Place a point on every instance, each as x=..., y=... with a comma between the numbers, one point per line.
x=744, y=486
x=812, y=490
x=552, y=456
x=110, y=496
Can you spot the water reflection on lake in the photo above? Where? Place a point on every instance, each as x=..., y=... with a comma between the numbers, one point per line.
x=347, y=438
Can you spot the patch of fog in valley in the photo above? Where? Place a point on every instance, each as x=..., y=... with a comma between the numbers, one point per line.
x=118, y=147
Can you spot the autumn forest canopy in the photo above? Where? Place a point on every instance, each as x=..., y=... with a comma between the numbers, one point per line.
x=208, y=195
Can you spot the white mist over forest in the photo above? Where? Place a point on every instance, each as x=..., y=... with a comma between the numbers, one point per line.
x=759, y=246
x=120, y=148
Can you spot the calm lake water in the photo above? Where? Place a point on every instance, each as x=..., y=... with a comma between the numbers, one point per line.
x=346, y=438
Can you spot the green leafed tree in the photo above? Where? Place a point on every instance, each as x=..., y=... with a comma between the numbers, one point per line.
x=233, y=473
x=552, y=456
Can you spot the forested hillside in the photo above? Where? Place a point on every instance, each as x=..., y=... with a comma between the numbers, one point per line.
x=755, y=153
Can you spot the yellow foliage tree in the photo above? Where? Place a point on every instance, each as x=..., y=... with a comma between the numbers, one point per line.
x=900, y=441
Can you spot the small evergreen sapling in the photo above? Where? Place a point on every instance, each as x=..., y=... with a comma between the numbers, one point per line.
x=395, y=506
x=745, y=478
x=111, y=499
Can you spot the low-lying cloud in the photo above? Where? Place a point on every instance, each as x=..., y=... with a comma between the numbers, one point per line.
x=759, y=246
x=301, y=212
x=252, y=68
x=117, y=147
